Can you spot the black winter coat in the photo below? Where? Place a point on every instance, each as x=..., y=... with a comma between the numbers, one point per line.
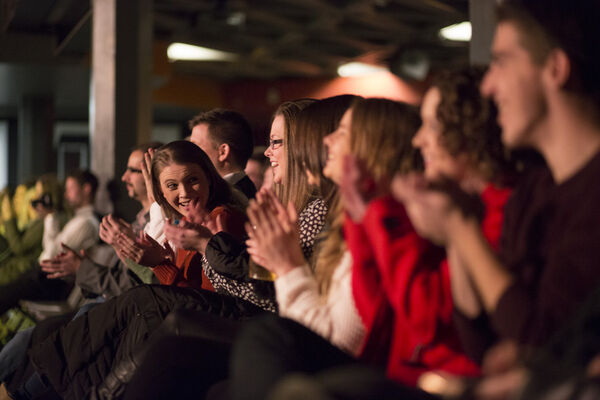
x=76, y=358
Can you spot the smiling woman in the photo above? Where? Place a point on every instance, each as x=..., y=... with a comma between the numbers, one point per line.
x=180, y=184
x=182, y=172
x=187, y=187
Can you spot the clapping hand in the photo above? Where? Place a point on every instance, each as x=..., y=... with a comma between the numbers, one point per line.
x=112, y=228
x=356, y=188
x=198, y=215
x=428, y=210
x=144, y=250
x=274, y=236
x=195, y=231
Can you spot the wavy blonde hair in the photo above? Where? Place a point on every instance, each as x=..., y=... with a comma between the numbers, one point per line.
x=380, y=138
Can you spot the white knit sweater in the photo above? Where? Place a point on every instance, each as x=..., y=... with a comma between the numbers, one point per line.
x=334, y=317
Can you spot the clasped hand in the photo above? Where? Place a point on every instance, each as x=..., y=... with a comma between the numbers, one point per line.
x=195, y=231
x=66, y=263
x=357, y=188
x=274, y=237
x=144, y=250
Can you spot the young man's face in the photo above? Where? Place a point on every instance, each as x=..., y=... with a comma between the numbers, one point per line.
x=515, y=84
x=74, y=193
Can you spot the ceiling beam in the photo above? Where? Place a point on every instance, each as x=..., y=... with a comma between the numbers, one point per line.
x=58, y=12
x=428, y=5
x=65, y=41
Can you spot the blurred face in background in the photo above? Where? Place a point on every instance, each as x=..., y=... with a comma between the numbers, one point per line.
x=74, y=193
x=255, y=171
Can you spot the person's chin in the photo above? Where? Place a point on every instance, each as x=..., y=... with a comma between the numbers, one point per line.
x=510, y=138
x=327, y=171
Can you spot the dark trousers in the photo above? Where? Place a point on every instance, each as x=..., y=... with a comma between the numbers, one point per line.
x=188, y=353
x=273, y=354
x=270, y=348
x=33, y=285
x=345, y=382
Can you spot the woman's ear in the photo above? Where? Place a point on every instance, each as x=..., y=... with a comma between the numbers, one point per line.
x=311, y=178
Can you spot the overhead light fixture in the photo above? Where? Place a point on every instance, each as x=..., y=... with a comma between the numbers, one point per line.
x=359, y=69
x=458, y=32
x=182, y=51
x=236, y=18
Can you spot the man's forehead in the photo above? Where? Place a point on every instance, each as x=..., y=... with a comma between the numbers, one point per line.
x=200, y=131
x=70, y=181
x=135, y=158
x=507, y=39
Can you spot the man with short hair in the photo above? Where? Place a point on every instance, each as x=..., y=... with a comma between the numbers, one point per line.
x=544, y=79
x=226, y=137
x=81, y=231
x=135, y=184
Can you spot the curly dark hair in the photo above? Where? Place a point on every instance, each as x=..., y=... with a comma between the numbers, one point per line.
x=469, y=121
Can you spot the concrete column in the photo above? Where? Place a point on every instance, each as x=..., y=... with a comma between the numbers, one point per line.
x=121, y=93
x=35, y=152
x=483, y=23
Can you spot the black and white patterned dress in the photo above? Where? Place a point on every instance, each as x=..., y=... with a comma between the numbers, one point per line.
x=262, y=293
x=311, y=221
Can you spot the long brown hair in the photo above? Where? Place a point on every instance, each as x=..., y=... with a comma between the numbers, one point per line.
x=289, y=110
x=184, y=152
x=307, y=153
x=380, y=138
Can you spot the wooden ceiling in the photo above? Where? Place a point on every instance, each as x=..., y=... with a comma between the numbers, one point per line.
x=273, y=38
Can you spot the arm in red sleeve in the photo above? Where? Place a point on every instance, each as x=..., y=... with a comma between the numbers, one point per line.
x=408, y=265
x=167, y=273
x=366, y=282
x=186, y=271
x=411, y=306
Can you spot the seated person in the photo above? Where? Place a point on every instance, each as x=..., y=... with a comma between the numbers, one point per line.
x=226, y=137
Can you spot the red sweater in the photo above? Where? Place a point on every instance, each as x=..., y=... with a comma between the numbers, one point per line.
x=401, y=288
x=187, y=270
